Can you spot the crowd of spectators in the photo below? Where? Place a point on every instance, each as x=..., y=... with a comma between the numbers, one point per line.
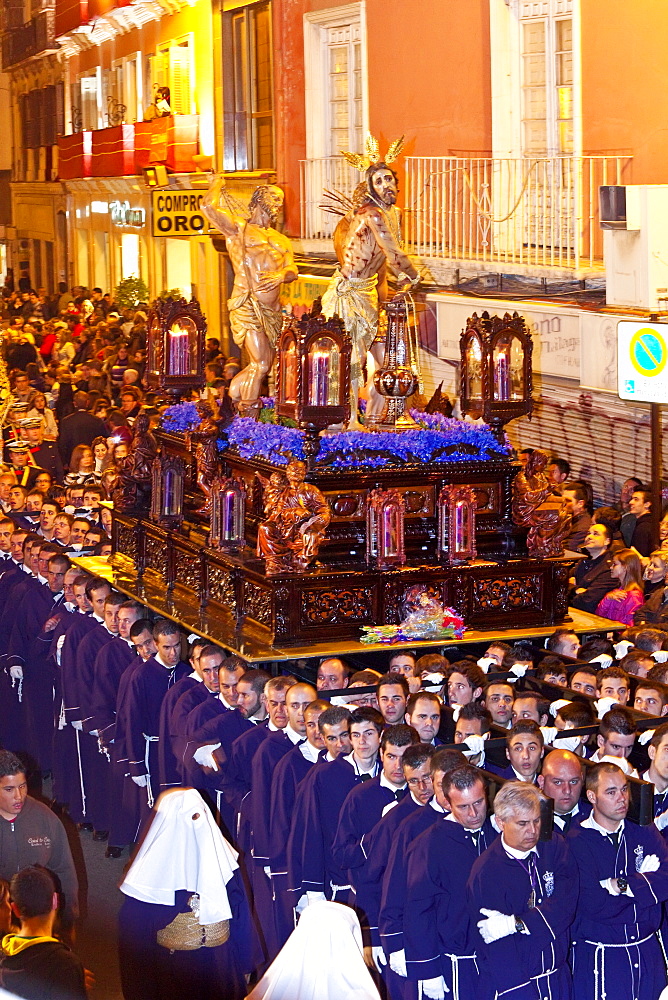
x=77, y=372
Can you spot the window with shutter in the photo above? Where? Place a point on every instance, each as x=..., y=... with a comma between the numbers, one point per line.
x=13, y=14
x=179, y=78
x=88, y=91
x=60, y=108
x=155, y=76
x=546, y=79
x=29, y=124
x=48, y=120
x=248, y=88
x=129, y=88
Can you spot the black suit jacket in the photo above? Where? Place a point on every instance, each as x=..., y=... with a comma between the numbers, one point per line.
x=79, y=427
x=595, y=576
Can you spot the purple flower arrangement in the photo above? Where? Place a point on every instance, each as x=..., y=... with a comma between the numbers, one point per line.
x=180, y=418
x=276, y=444
x=438, y=439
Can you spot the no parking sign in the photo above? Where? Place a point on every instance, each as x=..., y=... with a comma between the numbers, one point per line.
x=642, y=358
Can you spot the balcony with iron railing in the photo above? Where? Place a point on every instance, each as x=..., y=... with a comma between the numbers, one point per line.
x=33, y=38
x=535, y=215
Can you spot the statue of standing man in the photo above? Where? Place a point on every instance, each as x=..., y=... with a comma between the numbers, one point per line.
x=262, y=260
x=368, y=243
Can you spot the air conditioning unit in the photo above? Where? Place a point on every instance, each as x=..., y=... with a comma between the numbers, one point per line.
x=634, y=219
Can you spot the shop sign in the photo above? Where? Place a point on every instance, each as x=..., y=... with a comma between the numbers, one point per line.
x=297, y=296
x=178, y=213
x=123, y=215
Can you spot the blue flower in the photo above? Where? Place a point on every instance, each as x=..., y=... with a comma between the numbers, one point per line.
x=181, y=417
x=272, y=442
x=438, y=439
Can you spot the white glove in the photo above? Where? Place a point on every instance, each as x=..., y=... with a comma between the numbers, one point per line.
x=645, y=737
x=556, y=705
x=660, y=655
x=16, y=672
x=568, y=742
x=604, y=705
x=519, y=669
x=315, y=897
x=495, y=925
x=661, y=821
x=140, y=779
x=378, y=956
x=604, y=659
x=78, y=725
x=650, y=864
x=549, y=733
x=606, y=884
x=435, y=989
x=204, y=756
x=622, y=647
x=267, y=871
x=475, y=744
x=485, y=663
x=397, y=962
x=456, y=709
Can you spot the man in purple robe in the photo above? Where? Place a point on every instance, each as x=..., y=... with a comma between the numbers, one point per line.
x=522, y=896
x=111, y=662
x=312, y=868
x=263, y=765
x=199, y=686
x=623, y=871
x=288, y=775
x=391, y=922
x=146, y=688
x=170, y=776
x=131, y=810
x=440, y=940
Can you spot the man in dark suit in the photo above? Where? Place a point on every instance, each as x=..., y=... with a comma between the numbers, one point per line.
x=79, y=427
x=593, y=578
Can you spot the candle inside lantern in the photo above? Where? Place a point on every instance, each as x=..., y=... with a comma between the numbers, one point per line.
x=319, y=378
x=290, y=374
x=167, y=493
x=178, y=350
x=461, y=527
x=229, y=519
x=502, y=377
x=390, y=530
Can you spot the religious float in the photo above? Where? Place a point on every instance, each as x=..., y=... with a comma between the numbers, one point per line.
x=303, y=532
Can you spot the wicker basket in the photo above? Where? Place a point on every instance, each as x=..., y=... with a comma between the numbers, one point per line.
x=185, y=933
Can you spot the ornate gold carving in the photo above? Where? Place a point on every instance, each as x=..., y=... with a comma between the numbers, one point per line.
x=508, y=593
x=221, y=587
x=346, y=504
x=186, y=571
x=418, y=502
x=332, y=606
x=257, y=603
x=156, y=555
x=126, y=540
x=281, y=611
x=487, y=497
